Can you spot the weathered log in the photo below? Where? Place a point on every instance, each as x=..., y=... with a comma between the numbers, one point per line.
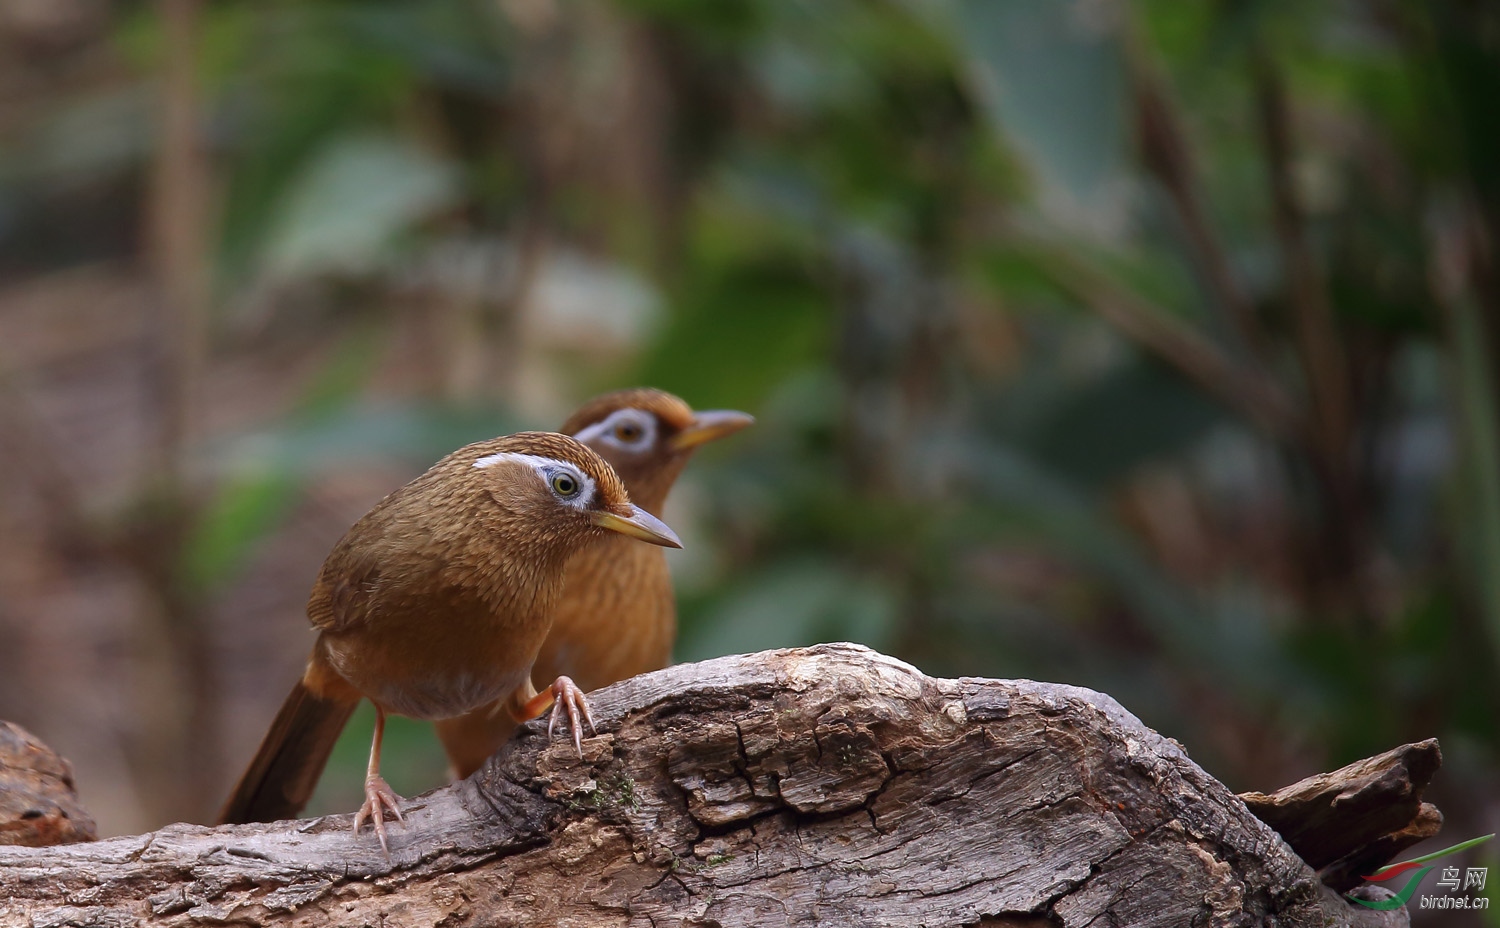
x=1351, y=821
x=828, y=785
x=38, y=804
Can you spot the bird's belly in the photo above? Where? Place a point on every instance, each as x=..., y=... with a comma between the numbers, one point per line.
x=445, y=696
x=401, y=681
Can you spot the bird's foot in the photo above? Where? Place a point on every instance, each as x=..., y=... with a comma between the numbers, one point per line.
x=379, y=799
x=567, y=697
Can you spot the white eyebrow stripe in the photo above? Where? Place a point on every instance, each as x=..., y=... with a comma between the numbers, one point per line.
x=594, y=431
x=540, y=464
x=535, y=460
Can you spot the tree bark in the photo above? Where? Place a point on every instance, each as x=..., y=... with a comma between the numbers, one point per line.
x=1352, y=821
x=38, y=804
x=829, y=785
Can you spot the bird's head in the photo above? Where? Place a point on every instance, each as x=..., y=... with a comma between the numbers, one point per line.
x=559, y=491
x=647, y=436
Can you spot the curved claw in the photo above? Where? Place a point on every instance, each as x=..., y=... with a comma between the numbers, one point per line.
x=379, y=799
x=567, y=697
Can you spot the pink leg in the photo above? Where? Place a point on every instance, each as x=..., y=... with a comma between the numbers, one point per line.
x=379, y=797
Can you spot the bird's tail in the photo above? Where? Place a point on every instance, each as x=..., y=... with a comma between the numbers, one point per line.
x=291, y=758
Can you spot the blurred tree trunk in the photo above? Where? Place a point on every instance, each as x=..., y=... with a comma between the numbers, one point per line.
x=179, y=753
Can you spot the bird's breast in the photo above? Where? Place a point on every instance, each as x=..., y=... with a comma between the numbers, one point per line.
x=616, y=616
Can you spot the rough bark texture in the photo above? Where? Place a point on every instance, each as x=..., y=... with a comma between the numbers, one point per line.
x=830, y=785
x=38, y=805
x=1350, y=822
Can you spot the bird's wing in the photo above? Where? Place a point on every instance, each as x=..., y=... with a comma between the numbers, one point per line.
x=344, y=595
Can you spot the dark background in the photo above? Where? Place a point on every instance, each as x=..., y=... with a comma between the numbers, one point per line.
x=1149, y=347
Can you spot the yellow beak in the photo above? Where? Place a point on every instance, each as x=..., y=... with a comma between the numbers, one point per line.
x=639, y=524
x=709, y=425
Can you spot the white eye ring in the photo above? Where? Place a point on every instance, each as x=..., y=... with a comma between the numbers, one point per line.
x=627, y=429
x=554, y=474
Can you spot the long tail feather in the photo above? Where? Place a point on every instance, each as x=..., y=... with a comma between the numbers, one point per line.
x=291, y=758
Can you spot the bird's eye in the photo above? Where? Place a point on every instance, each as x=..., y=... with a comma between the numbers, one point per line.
x=627, y=431
x=564, y=485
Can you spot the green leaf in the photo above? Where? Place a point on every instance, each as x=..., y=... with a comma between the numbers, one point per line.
x=348, y=207
x=243, y=512
x=1140, y=412
x=414, y=433
x=1050, y=76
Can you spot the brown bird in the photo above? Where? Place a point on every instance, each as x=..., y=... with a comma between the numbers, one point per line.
x=435, y=602
x=617, y=616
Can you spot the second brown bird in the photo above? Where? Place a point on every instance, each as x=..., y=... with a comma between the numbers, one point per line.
x=617, y=615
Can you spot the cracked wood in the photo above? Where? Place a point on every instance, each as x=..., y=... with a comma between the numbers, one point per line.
x=827, y=785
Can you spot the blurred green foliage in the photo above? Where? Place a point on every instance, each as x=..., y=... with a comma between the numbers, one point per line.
x=994, y=277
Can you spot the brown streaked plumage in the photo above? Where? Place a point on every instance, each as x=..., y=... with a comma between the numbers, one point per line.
x=617, y=615
x=435, y=602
